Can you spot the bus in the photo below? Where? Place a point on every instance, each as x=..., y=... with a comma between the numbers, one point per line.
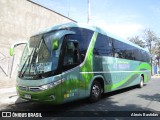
x=72, y=61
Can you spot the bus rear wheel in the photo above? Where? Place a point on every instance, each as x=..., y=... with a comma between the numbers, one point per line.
x=95, y=92
x=141, y=84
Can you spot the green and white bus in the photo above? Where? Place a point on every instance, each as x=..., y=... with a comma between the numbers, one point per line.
x=73, y=61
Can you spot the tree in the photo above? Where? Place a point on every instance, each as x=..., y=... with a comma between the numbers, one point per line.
x=137, y=41
x=157, y=47
x=150, y=39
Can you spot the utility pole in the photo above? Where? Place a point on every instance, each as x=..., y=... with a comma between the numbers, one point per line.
x=69, y=8
x=88, y=12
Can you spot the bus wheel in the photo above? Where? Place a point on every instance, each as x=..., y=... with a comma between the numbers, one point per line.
x=141, y=84
x=95, y=92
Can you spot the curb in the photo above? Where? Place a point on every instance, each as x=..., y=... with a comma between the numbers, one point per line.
x=155, y=76
x=9, y=97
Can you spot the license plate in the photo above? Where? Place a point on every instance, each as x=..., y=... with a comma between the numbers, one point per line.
x=27, y=96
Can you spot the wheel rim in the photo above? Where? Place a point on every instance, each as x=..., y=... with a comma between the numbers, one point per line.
x=95, y=90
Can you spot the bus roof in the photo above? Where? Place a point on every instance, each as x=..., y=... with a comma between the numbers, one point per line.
x=93, y=28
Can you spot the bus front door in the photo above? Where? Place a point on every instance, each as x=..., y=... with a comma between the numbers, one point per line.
x=71, y=70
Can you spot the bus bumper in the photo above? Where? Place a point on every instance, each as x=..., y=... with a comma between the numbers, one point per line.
x=45, y=96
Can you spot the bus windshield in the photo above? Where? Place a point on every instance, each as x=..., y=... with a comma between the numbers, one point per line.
x=39, y=57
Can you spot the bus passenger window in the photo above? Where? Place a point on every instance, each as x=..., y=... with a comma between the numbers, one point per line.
x=71, y=53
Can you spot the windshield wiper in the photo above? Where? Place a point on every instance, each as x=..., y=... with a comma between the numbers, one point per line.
x=20, y=75
x=28, y=59
x=35, y=55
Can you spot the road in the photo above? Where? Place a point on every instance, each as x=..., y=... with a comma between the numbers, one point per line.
x=130, y=99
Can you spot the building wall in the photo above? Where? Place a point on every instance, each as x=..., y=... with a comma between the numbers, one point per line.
x=19, y=19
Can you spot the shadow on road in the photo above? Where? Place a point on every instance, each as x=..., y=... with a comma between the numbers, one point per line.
x=154, y=97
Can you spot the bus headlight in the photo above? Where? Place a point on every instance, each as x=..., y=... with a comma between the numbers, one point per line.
x=47, y=86
x=50, y=85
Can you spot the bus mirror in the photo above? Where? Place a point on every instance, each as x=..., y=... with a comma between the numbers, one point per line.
x=11, y=51
x=55, y=44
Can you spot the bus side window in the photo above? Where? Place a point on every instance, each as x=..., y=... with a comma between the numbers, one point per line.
x=71, y=56
x=103, y=46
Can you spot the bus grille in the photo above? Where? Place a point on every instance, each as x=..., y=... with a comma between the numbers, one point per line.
x=24, y=88
x=33, y=89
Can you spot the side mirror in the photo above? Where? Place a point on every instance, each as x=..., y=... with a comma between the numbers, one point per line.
x=55, y=44
x=11, y=51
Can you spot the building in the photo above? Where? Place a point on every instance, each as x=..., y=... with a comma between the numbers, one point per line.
x=19, y=19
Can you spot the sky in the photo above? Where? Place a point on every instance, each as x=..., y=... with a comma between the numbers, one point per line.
x=124, y=18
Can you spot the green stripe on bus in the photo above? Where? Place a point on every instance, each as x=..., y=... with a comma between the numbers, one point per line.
x=115, y=86
x=88, y=65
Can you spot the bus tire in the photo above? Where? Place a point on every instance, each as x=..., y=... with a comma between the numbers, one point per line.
x=95, y=92
x=141, y=84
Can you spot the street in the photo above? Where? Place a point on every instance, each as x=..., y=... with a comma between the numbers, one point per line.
x=129, y=99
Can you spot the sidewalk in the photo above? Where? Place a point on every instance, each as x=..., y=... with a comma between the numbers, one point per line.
x=156, y=76
x=8, y=92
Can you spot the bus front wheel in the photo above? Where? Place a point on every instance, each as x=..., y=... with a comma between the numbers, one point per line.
x=95, y=92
